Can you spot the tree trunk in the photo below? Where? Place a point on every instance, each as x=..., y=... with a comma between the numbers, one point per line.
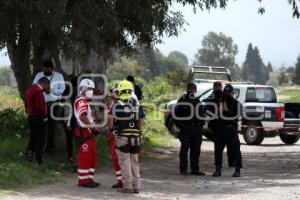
x=20, y=63
x=95, y=62
x=46, y=49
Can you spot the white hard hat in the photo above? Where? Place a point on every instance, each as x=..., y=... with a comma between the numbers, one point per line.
x=87, y=83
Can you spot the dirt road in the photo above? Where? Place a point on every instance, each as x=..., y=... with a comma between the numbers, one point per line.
x=271, y=171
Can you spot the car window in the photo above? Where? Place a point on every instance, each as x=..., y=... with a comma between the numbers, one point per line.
x=261, y=94
x=236, y=93
x=209, y=94
x=205, y=95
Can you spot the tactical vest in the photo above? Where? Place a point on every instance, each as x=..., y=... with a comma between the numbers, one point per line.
x=126, y=120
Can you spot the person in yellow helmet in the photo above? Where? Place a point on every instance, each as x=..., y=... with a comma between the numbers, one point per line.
x=126, y=120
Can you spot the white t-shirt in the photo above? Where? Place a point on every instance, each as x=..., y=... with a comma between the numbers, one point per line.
x=57, y=85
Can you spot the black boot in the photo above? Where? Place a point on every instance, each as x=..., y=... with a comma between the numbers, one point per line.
x=118, y=185
x=237, y=172
x=217, y=173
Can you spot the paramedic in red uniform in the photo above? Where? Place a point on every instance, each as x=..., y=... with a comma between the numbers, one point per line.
x=36, y=110
x=112, y=145
x=85, y=135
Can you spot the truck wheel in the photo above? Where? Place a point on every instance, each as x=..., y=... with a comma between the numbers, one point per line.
x=289, y=139
x=252, y=135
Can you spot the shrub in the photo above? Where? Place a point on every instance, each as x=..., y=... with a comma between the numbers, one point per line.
x=13, y=122
x=157, y=87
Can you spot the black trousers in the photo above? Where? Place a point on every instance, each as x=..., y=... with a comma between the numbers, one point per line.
x=37, y=137
x=69, y=136
x=191, y=139
x=230, y=157
x=227, y=135
x=51, y=127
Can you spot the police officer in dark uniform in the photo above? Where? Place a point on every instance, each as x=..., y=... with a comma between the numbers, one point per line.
x=226, y=133
x=213, y=103
x=188, y=109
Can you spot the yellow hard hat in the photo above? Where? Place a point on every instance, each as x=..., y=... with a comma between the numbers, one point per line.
x=125, y=85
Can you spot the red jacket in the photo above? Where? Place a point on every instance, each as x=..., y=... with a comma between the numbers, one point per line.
x=35, y=104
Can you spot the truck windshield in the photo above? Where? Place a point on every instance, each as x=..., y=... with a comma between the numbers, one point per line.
x=261, y=94
x=209, y=76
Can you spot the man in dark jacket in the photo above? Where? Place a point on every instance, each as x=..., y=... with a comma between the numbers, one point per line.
x=136, y=88
x=213, y=103
x=36, y=109
x=187, y=112
x=226, y=133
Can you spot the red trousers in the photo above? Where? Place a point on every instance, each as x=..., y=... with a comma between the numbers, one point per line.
x=114, y=156
x=86, y=161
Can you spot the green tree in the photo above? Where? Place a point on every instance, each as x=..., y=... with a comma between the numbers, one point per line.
x=126, y=66
x=269, y=67
x=5, y=76
x=253, y=68
x=296, y=78
x=180, y=56
x=290, y=70
x=74, y=29
x=149, y=58
x=282, y=79
x=171, y=63
x=41, y=29
x=218, y=50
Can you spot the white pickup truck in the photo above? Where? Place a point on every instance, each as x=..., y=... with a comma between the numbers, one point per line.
x=262, y=117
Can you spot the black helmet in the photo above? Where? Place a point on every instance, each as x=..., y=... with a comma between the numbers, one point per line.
x=228, y=89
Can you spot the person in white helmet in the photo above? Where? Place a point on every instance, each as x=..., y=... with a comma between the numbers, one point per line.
x=85, y=135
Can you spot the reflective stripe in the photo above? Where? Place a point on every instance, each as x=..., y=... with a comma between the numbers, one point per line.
x=119, y=178
x=85, y=177
x=131, y=130
x=130, y=134
x=83, y=171
x=118, y=172
x=92, y=169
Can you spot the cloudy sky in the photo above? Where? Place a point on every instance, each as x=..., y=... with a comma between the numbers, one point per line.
x=275, y=33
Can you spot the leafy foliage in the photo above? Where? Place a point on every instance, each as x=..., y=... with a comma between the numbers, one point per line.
x=180, y=56
x=269, y=67
x=4, y=76
x=296, y=78
x=254, y=68
x=218, y=50
x=126, y=66
x=9, y=98
x=13, y=123
x=156, y=87
x=282, y=79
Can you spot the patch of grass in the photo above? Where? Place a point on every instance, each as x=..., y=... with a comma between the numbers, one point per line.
x=103, y=150
x=10, y=98
x=15, y=172
x=155, y=132
x=292, y=94
x=19, y=174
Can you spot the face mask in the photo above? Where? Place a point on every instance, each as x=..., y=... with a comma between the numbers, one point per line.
x=191, y=95
x=89, y=93
x=47, y=73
